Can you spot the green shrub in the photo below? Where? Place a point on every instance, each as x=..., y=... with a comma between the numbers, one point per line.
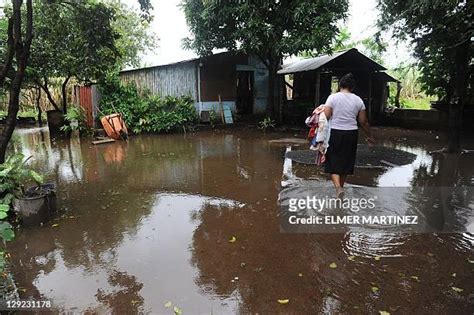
x=76, y=120
x=266, y=123
x=144, y=112
x=14, y=175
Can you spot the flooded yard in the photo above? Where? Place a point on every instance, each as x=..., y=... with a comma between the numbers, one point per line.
x=148, y=222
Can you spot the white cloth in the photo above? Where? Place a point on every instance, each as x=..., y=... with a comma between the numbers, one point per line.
x=323, y=133
x=345, y=108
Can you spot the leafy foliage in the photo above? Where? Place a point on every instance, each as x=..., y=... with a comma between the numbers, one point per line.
x=266, y=123
x=14, y=175
x=76, y=120
x=438, y=30
x=144, y=112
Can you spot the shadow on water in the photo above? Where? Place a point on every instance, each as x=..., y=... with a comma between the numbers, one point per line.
x=148, y=221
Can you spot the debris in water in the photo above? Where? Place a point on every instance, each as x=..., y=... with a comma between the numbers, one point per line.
x=55, y=225
x=233, y=239
x=415, y=278
x=375, y=289
x=168, y=304
x=384, y=313
x=177, y=310
x=284, y=301
x=300, y=274
x=377, y=258
x=242, y=265
x=351, y=258
x=456, y=289
x=333, y=265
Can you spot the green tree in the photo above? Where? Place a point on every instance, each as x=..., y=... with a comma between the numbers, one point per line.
x=268, y=29
x=441, y=32
x=15, y=54
x=66, y=46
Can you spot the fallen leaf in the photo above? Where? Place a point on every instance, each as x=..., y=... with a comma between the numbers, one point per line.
x=233, y=239
x=415, y=278
x=284, y=301
x=384, y=313
x=375, y=289
x=168, y=304
x=333, y=265
x=456, y=289
x=177, y=310
x=55, y=225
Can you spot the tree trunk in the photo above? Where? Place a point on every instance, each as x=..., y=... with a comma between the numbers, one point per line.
x=456, y=106
x=45, y=88
x=273, y=103
x=38, y=107
x=22, y=50
x=64, y=94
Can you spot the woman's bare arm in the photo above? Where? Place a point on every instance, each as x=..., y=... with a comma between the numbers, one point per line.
x=364, y=124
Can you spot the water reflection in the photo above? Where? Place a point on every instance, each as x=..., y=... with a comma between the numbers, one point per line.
x=148, y=221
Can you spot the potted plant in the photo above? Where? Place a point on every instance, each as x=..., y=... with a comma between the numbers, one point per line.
x=34, y=205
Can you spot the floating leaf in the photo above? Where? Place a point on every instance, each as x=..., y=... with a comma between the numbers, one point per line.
x=456, y=289
x=375, y=289
x=384, y=313
x=168, y=304
x=233, y=239
x=351, y=258
x=177, y=310
x=333, y=265
x=55, y=225
x=284, y=301
x=377, y=258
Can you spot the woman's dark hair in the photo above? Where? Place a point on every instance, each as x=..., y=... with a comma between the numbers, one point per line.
x=347, y=82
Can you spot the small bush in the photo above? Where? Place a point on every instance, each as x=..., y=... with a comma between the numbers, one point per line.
x=144, y=112
x=266, y=123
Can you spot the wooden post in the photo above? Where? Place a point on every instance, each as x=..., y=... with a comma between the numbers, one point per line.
x=317, y=88
x=369, y=102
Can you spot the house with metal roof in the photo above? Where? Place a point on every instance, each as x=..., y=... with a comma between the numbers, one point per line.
x=310, y=81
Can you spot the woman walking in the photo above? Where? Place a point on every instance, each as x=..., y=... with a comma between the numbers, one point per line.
x=344, y=109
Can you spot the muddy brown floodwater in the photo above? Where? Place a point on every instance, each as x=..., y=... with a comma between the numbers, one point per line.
x=146, y=222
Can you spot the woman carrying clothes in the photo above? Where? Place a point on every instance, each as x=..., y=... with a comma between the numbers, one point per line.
x=344, y=109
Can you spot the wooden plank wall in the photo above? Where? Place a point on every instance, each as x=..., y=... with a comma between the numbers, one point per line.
x=174, y=80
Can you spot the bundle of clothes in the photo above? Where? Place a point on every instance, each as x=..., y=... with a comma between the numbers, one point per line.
x=319, y=133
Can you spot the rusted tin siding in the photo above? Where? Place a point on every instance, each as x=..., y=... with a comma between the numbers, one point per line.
x=88, y=98
x=174, y=80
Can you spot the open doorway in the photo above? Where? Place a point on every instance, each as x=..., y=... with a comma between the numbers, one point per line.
x=244, y=100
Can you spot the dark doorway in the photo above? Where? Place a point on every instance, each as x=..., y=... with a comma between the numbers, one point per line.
x=244, y=101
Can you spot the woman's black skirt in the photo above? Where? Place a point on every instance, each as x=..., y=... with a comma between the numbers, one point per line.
x=341, y=153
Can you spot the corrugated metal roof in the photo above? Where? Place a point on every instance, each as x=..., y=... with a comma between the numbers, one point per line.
x=317, y=62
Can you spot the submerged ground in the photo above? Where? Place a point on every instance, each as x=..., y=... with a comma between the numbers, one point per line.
x=148, y=222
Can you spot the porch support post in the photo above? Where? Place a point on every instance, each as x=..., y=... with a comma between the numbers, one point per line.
x=317, y=88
